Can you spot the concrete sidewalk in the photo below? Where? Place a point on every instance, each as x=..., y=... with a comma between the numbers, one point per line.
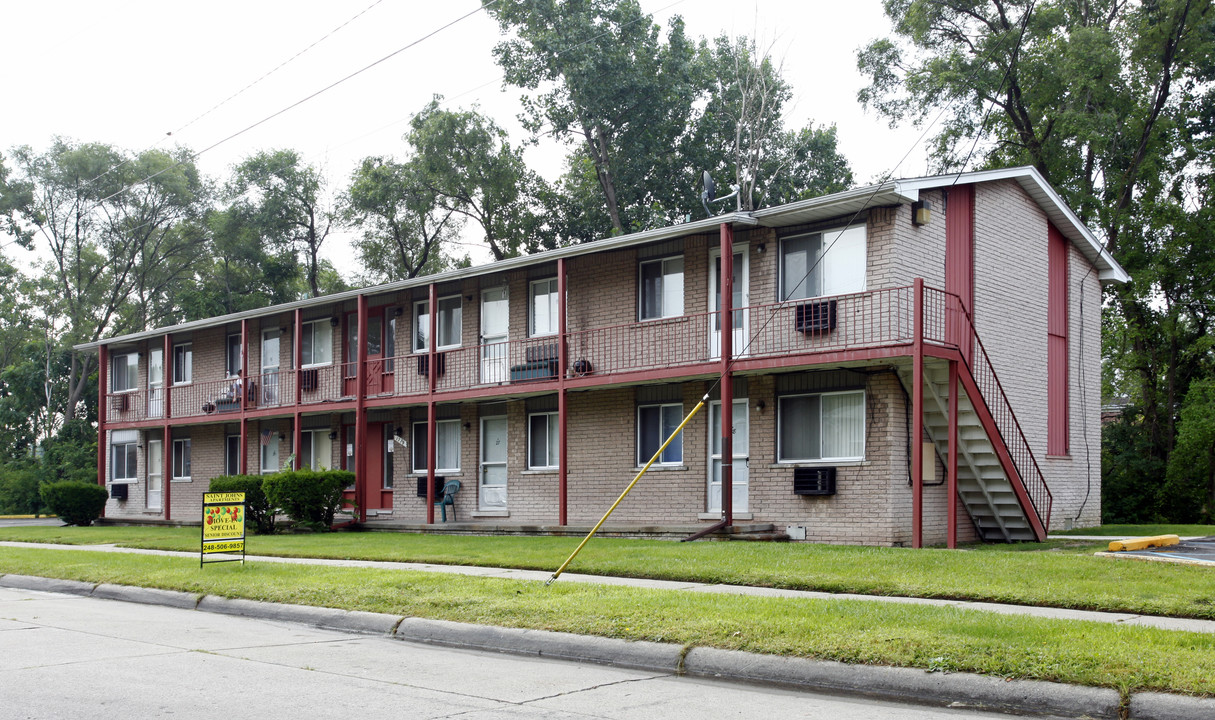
x=1164, y=623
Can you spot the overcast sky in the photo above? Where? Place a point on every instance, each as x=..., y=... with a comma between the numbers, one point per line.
x=130, y=72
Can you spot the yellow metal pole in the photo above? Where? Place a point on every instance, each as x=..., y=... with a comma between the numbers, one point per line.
x=603, y=519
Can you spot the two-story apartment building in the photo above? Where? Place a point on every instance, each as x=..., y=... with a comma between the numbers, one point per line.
x=915, y=362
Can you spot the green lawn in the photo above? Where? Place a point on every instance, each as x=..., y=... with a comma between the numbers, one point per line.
x=1129, y=531
x=945, y=639
x=1056, y=574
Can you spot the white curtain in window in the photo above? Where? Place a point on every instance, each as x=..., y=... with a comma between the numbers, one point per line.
x=844, y=425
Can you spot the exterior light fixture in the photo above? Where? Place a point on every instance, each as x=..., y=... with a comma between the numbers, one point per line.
x=334, y=321
x=921, y=212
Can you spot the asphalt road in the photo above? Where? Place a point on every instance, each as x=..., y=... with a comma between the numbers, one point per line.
x=13, y=522
x=64, y=656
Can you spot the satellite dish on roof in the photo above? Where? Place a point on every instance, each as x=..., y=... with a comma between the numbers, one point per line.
x=709, y=193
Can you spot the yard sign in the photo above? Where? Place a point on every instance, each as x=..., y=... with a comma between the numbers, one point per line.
x=223, y=526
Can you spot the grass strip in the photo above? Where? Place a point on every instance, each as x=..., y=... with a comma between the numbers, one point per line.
x=1055, y=574
x=1130, y=531
x=934, y=638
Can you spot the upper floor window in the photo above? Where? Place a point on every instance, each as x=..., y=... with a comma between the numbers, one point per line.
x=655, y=423
x=824, y=426
x=125, y=369
x=232, y=366
x=661, y=288
x=449, y=324
x=316, y=339
x=183, y=364
x=542, y=308
x=831, y=262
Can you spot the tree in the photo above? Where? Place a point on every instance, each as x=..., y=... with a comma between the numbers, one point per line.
x=464, y=158
x=611, y=85
x=283, y=199
x=113, y=227
x=1189, y=491
x=405, y=226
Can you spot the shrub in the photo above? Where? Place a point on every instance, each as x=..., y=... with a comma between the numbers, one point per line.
x=257, y=508
x=310, y=497
x=76, y=503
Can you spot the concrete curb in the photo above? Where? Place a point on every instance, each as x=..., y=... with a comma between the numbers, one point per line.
x=146, y=596
x=979, y=692
x=639, y=654
x=330, y=618
x=1160, y=706
x=32, y=582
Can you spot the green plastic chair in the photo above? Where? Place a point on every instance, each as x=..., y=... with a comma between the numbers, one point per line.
x=450, y=488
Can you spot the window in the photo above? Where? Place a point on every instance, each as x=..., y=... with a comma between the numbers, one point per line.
x=827, y=426
x=449, y=324
x=447, y=446
x=542, y=308
x=655, y=423
x=387, y=462
x=316, y=449
x=124, y=456
x=542, y=441
x=269, y=452
x=807, y=273
x=232, y=364
x=316, y=338
x=181, y=459
x=232, y=455
x=125, y=369
x=661, y=288
x=183, y=364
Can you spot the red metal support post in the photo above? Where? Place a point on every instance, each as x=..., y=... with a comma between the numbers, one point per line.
x=432, y=415
x=166, y=446
x=952, y=471
x=245, y=387
x=917, y=418
x=727, y=380
x=360, y=411
x=562, y=407
x=103, y=379
x=297, y=355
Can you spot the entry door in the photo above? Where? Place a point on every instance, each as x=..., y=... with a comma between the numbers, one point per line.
x=375, y=354
x=741, y=294
x=270, y=389
x=156, y=477
x=156, y=383
x=495, y=326
x=373, y=481
x=741, y=440
x=492, y=491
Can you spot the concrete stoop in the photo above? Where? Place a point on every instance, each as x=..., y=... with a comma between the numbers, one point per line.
x=954, y=690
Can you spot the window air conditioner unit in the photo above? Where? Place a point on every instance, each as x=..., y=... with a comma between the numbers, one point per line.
x=814, y=481
x=118, y=492
x=816, y=317
x=440, y=480
x=120, y=403
x=440, y=364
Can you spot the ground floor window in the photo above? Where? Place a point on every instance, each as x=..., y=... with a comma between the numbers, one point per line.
x=124, y=456
x=232, y=455
x=655, y=423
x=316, y=449
x=269, y=452
x=447, y=446
x=823, y=426
x=181, y=459
x=543, y=443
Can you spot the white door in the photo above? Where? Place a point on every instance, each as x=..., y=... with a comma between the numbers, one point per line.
x=741, y=298
x=741, y=442
x=495, y=328
x=156, y=383
x=270, y=367
x=156, y=476
x=491, y=494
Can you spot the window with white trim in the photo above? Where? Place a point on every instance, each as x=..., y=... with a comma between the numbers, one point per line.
x=269, y=452
x=183, y=364
x=542, y=308
x=232, y=359
x=655, y=423
x=821, y=426
x=831, y=262
x=316, y=449
x=181, y=459
x=449, y=324
x=660, y=288
x=124, y=456
x=316, y=343
x=543, y=444
x=447, y=446
x=125, y=369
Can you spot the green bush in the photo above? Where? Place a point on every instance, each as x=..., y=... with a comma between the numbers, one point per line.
x=258, y=511
x=76, y=503
x=310, y=497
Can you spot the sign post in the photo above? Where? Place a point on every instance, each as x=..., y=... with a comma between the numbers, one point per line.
x=223, y=527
